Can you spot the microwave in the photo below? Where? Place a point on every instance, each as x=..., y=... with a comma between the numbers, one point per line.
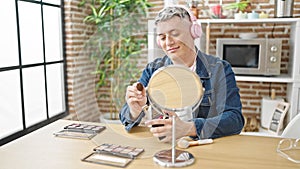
x=251, y=56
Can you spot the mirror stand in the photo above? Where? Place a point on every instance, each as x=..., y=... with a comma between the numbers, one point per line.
x=173, y=157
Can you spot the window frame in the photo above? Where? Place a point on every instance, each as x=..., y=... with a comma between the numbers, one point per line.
x=20, y=68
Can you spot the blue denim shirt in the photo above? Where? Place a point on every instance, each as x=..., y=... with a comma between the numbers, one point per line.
x=219, y=113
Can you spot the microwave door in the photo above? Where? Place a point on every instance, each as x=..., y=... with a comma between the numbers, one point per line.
x=244, y=59
x=251, y=56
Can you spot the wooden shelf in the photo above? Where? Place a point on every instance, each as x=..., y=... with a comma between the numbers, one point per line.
x=261, y=132
x=279, y=79
x=267, y=20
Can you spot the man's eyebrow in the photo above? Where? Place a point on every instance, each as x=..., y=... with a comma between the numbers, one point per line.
x=160, y=34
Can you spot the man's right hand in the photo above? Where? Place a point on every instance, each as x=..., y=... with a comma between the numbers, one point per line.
x=135, y=99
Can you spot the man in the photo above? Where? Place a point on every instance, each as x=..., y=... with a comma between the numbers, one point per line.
x=219, y=113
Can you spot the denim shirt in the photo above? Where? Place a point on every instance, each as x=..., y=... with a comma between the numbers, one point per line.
x=219, y=113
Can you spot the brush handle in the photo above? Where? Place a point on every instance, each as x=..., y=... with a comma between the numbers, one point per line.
x=200, y=142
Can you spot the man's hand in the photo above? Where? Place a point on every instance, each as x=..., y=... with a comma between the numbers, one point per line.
x=135, y=99
x=165, y=129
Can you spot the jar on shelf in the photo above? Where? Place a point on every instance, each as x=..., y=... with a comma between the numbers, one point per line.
x=194, y=8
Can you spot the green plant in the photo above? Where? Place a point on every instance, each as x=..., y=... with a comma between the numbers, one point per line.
x=117, y=44
x=240, y=6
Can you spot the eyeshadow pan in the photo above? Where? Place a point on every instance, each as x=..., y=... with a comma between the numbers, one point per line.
x=79, y=127
x=133, y=153
x=102, y=147
x=88, y=127
x=124, y=147
x=118, y=149
x=130, y=148
x=114, y=146
x=125, y=151
x=108, y=149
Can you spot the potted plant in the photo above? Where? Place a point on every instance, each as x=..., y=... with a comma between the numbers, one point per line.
x=222, y=11
x=116, y=46
x=243, y=6
x=240, y=8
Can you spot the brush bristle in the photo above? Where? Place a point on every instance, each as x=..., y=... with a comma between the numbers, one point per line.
x=183, y=143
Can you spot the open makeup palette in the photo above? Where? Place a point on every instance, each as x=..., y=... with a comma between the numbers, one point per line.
x=81, y=131
x=114, y=155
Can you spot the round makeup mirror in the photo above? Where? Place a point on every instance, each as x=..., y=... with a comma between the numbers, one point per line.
x=176, y=89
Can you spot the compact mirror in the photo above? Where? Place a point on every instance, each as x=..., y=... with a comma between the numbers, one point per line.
x=177, y=89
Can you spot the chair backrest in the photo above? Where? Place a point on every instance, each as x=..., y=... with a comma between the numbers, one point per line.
x=292, y=130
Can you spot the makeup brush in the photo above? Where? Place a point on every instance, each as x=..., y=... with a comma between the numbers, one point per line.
x=182, y=143
x=139, y=86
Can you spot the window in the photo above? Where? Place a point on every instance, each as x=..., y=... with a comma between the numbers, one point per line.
x=32, y=73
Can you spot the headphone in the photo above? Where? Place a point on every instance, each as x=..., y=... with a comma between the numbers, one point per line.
x=196, y=29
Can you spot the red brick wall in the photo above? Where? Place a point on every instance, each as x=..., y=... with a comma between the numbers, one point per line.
x=82, y=98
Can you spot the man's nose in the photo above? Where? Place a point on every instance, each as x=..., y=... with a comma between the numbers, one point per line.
x=169, y=40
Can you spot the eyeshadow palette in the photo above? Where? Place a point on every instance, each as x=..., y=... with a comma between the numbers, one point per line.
x=74, y=134
x=124, y=151
x=80, y=131
x=114, y=155
x=86, y=128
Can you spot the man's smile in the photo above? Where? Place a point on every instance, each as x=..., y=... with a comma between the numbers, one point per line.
x=173, y=49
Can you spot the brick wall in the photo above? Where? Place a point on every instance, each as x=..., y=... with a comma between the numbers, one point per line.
x=81, y=84
x=252, y=92
x=82, y=98
x=264, y=30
